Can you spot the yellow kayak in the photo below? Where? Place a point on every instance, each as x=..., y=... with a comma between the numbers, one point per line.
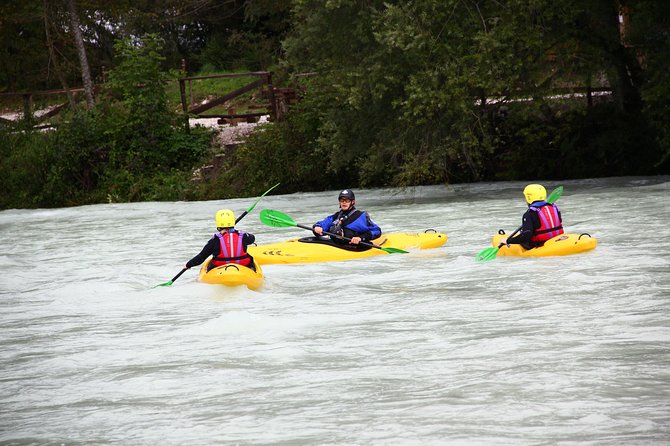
x=232, y=275
x=561, y=245
x=313, y=249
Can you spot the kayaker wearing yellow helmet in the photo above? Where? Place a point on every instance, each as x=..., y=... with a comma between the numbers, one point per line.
x=541, y=221
x=349, y=222
x=227, y=246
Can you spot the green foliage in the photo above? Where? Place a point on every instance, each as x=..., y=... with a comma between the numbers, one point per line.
x=138, y=80
x=578, y=143
x=145, y=135
x=127, y=150
x=245, y=31
x=83, y=155
x=25, y=161
x=399, y=95
x=287, y=147
x=24, y=60
x=392, y=93
x=649, y=32
x=235, y=49
x=123, y=186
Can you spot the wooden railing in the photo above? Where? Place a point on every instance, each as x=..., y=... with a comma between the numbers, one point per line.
x=28, y=112
x=264, y=83
x=276, y=100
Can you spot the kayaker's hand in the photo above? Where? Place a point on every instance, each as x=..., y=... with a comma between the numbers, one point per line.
x=355, y=240
x=318, y=230
x=503, y=241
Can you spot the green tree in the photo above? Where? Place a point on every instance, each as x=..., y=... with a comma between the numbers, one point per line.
x=649, y=40
x=23, y=56
x=404, y=88
x=130, y=147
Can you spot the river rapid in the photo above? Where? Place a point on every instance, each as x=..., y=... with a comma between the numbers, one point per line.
x=426, y=348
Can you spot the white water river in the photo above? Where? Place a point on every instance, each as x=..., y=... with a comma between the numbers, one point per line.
x=427, y=348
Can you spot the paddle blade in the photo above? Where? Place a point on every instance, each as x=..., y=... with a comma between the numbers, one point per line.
x=276, y=219
x=555, y=194
x=487, y=254
x=168, y=283
x=394, y=250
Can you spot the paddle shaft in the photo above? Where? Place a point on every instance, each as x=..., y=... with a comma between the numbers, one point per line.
x=179, y=274
x=171, y=281
x=362, y=242
x=237, y=220
x=278, y=219
x=512, y=235
x=254, y=205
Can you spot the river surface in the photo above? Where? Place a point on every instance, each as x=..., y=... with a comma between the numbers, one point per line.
x=426, y=348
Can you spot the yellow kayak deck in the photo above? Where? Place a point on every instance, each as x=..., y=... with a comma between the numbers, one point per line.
x=311, y=249
x=561, y=245
x=232, y=275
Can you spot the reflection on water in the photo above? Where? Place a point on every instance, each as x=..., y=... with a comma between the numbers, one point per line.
x=424, y=348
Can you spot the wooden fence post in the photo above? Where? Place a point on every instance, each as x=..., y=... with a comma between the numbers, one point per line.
x=271, y=93
x=182, y=93
x=28, y=107
x=184, y=106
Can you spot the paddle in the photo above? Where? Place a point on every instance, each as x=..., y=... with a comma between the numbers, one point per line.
x=280, y=220
x=237, y=220
x=171, y=281
x=487, y=254
x=255, y=203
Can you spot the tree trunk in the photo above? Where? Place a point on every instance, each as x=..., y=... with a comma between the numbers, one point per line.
x=626, y=67
x=83, y=60
x=54, y=59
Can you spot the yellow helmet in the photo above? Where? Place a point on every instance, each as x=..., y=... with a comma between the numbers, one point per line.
x=225, y=218
x=534, y=192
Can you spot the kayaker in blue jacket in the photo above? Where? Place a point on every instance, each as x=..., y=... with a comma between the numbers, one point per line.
x=227, y=246
x=541, y=222
x=349, y=222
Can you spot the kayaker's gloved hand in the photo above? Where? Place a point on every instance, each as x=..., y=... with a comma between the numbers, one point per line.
x=367, y=235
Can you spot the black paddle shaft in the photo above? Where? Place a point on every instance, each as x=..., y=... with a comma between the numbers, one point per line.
x=513, y=234
x=241, y=217
x=362, y=242
x=180, y=273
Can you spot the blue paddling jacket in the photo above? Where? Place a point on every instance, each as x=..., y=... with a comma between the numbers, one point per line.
x=353, y=223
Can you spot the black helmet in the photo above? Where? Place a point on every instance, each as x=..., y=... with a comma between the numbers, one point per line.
x=347, y=193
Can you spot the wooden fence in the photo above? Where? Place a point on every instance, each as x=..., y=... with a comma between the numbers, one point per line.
x=28, y=113
x=277, y=100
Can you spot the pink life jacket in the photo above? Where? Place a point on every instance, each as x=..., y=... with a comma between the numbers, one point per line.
x=550, y=222
x=232, y=249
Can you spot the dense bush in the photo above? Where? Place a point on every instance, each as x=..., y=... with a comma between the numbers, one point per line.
x=400, y=93
x=579, y=142
x=130, y=147
x=26, y=159
x=277, y=152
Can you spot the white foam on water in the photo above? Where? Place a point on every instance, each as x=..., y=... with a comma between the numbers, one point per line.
x=426, y=348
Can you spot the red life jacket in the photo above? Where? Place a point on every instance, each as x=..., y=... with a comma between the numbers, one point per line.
x=550, y=222
x=231, y=249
